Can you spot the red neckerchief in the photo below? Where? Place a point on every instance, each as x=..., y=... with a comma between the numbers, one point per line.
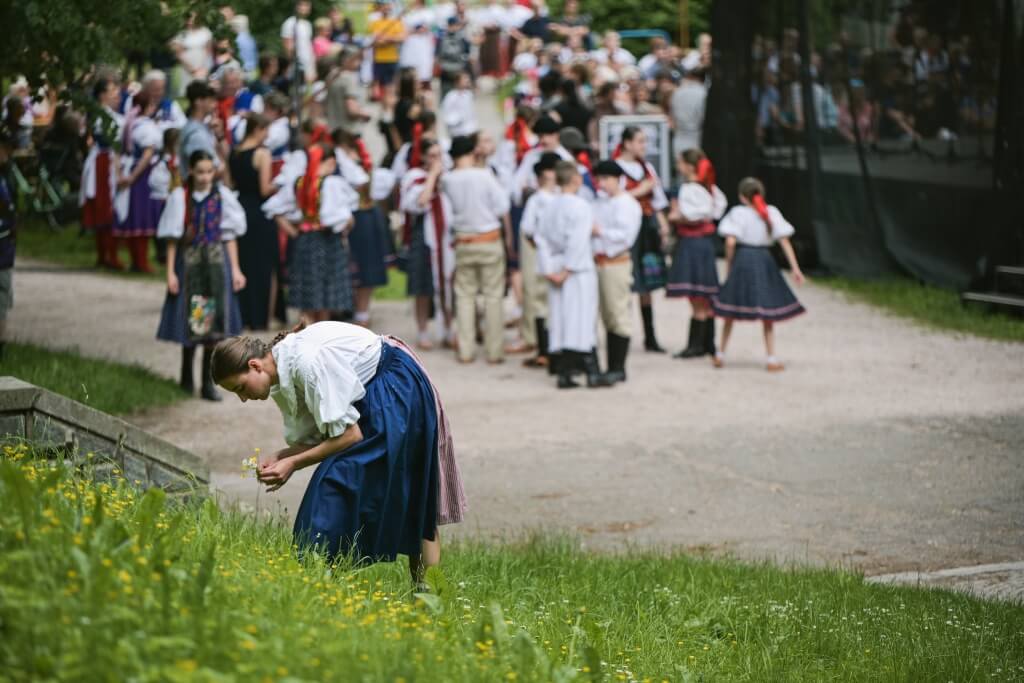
x=646, y=200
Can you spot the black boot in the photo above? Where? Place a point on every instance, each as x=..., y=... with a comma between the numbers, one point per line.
x=541, y=359
x=618, y=348
x=650, y=341
x=567, y=367
x=709, y=337
x=695, y=343
x=595, y=378
x=554, y=360
x=188, y=354
x=209, y=390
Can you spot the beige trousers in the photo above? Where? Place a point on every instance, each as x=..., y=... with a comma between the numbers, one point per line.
x=480, y=269
x=535, y=292
x=614, y=283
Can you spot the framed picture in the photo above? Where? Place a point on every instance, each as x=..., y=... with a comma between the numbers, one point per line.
x=659, y=139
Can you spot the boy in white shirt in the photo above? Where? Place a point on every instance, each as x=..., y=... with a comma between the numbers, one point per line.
x=568, y=262
x=479, y=204
x=618, y=217
x=535, y=286
x=457, y=108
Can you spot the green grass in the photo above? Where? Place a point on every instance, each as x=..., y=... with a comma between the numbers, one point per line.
x=104, y=385
x=930, y=306
x=70, y=249
x=98, y=582
x=394, y=290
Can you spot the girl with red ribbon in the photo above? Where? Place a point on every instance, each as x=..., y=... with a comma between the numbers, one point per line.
x=694, y=274
x=755, y=288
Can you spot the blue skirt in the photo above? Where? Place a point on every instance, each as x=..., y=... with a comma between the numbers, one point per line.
x=648, y=261
x=755, y=289
x=693, y=271
x=419, y=277
x=173, y=318
x=379, y=497
x=318, y=277
x=369, y=242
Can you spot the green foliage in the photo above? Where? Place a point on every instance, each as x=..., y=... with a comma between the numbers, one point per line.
x=615, y=15
x=72, y=248
x=103, y=385
x=100, y=582
x=931, y=306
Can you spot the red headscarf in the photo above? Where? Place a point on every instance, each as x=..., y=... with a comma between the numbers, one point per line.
x=762, y=210
x=309, y=194
x=706, y=174
x=519, y=131
x=583, y=157
x=364, y=155
x=414, y=152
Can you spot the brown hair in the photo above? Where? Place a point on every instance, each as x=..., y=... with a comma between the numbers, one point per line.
x=254, y=122
x=565, y=172
x=752, y=190
x=231, y=356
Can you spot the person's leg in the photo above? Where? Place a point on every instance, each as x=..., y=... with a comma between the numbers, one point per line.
x=773, y=364
x=719, y=358
x=466, y=287
x=647, y=312
x=272, y=299
x=363, y=296
x=430, y=556
x=492, y=281
x=186, y=380
x=422, y=322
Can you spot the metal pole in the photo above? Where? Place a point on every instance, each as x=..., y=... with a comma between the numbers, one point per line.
x=298, y=78
x=684, y=24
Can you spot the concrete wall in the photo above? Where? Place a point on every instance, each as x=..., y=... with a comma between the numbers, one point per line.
x=72, y=430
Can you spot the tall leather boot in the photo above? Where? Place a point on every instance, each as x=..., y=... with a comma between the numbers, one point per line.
x=209, y=390
x=554, y=361
x=650, y=340
x=709, y=337
x=695, y=343
x=113, y=260
x=188, y=354
x=595, y=378
x=566, y=368
x=139, y=247
x=618, y=348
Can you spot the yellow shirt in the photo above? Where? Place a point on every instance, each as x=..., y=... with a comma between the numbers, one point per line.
x=392, y=29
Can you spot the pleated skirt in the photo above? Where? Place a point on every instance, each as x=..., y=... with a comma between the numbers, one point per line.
x=755, y=289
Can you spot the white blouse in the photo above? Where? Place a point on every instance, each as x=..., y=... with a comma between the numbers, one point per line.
x=635, y=170
x=337, y=202
x=322, y=372
x=696, y=204
x=172, y=220
x=458, y=112
x=619, y=218
x=743, y=223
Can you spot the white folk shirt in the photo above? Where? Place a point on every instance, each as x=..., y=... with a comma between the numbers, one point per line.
x=535, y=213
x=322, y=372
x=697, y=205
x=743, y=223
x=441, y=250
x=525, y=178
x=145, y=134
x=172, y=220
x=478, y=200
x=458, y=112
x=635, y=170
x=619, y=219
x=337, y=202
x=564, y=244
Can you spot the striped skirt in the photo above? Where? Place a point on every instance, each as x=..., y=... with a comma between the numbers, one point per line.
x=693, y=271
x=755, y=289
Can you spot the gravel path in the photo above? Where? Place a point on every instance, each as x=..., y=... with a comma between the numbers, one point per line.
x=883, y=445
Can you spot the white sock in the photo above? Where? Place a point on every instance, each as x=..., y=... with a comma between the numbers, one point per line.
x=424, y=336
x=772, y=360
x=361, y=316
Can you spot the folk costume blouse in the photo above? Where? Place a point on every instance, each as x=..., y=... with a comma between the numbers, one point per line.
x=172, y=220
x=743, y=223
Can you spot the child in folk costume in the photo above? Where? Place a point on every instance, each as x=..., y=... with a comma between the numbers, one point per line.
x=642, y=182
x=316, y=212
x=519, y=139
x=457, y=108
x=618, y=217
x=279, y=132
x=479, y=205
x=694, y=273
x=431, y=256
x=138, y=212
x=164, y=177
x=565, y=254
x=423, y=128
x=201, y=222
x=370, y=237
x=362, y=409
x=755, y=289
x=535, y=285
x=100, y=175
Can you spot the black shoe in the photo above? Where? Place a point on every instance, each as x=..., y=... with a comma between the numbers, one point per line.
x=695, y=344
x=595, y=378
x=618, y=348
x=209, y=390
x=186, y=382
x=652, y=346
x=554, y=361
x=565, y=381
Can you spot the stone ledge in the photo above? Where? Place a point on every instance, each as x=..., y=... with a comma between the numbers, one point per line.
x=30, y=412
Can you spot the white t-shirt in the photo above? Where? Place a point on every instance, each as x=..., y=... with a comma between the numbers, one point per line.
x=195, y=48
x=303, y=42
x=417, y=51
x=743, y=223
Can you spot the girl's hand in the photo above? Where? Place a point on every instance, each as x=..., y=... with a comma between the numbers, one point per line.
x=276, y=474
x=798, y=277
x=172, y=283
x=237, y=280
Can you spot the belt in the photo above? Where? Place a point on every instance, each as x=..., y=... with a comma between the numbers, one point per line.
x=605, y=260
x=701, y=229
x=478, y=237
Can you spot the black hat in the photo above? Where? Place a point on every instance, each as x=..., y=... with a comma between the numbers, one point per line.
x=608, y=168
x=545, y=126
x=546, y=162
x=572, y=139
x=462, y=145
x=199, y=89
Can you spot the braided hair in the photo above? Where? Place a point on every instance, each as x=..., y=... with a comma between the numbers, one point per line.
x=231, y=356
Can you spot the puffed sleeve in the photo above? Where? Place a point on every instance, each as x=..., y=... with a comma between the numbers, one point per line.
x=146, y=133
x=337, y=202
x=780, y=226
x=350, y=170
x=719, y=202
x=731, y=225
x=381, y=184
x=172, y=220
x=410, y=194
x=232, y=216
x=331, y=389
x=281, y=203
x=160, y=180
x=293, y=167
x=695, y=203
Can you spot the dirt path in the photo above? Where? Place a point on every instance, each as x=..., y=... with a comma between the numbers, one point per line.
x=883, y=445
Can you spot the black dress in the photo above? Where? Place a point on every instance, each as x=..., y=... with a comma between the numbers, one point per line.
x=258, y=247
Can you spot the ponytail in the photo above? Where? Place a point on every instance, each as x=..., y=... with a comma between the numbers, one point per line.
x=364, y=155
x=414, y=151
x=231, y=356
x=310, y=190
x=706, y=174
x=752, y=190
